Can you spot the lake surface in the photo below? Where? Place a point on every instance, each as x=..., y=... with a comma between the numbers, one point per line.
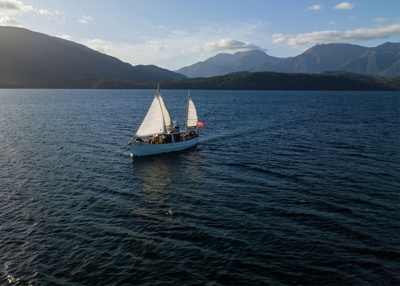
x=284, y=188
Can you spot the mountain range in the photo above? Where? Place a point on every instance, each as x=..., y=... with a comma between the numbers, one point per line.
x=383, y=60
x=31, y=59
x=34, y=60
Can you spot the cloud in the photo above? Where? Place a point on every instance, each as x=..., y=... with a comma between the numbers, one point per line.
x=174, y=49
x=65, y=37
x=344, y=6
x=170, y=53
x=381, y=20
x=44, y=12
x=14, y=7
x=229, y=45
x=10, y=8
x=155, y=45
x=119, y=49
x=7, y=21
x=135, y=54
x=315, y=7
x=102, y=46
x=333, y=36
x=85, y=19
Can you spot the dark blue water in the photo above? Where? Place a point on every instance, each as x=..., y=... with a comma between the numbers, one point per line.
x=284, y=188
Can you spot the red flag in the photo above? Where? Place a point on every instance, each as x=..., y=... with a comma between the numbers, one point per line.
x=200, y=124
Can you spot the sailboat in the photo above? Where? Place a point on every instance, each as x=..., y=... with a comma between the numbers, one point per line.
x=157, y=134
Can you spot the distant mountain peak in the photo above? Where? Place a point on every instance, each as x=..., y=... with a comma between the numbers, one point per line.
x=382, y=60
x=225, y=63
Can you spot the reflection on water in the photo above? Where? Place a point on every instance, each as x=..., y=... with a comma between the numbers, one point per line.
x=162, y=178
x=154, y=173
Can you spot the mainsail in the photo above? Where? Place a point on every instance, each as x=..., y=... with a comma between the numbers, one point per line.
x=156, y=119
x=167, y=119
x=191, y=114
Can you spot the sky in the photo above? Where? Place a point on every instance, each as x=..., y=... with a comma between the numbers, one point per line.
x=176, y=33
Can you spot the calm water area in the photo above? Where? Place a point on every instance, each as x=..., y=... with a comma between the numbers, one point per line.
x=284, y=188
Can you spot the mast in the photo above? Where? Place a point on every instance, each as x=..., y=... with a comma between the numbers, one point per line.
x=160, y=102
x=187, y=112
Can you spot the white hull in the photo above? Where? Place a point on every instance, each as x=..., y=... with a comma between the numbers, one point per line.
x=144, y=149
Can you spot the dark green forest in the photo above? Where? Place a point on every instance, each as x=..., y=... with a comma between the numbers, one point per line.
x=237, y=81
x=287, y=81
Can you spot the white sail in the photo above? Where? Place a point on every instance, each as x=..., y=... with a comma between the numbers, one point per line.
x=153, y=122
x=191, y=116
x=167, y=119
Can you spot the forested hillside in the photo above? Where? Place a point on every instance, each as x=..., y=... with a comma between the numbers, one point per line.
x=30, y=59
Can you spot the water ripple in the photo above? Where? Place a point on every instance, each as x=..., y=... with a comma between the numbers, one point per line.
x=284, y=188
